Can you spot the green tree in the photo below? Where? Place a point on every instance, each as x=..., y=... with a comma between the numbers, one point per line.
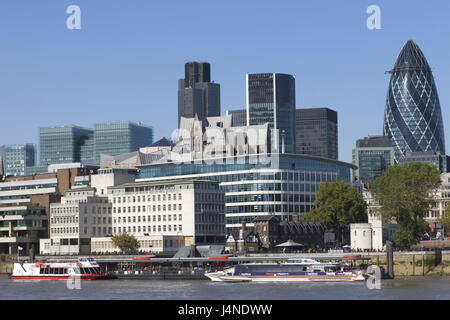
x=337, y=205
x=404, y=195
x=125, y=241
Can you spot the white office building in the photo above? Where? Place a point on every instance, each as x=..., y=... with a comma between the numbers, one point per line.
x=166, y=215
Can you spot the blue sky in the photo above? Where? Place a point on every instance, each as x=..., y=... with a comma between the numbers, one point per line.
x=125, y=61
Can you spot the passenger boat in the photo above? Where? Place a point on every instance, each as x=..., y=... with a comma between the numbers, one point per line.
x=82, y=268
x=292, y=271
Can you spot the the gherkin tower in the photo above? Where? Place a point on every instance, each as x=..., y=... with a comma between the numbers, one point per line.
x=412, y=118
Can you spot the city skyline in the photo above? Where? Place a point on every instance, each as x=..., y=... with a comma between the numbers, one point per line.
x=70, y=71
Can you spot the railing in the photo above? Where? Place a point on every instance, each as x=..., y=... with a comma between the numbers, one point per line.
x=162, y=274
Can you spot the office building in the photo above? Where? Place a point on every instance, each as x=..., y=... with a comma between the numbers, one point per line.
x=21, y=225
x=71, y=144
x=413, y=119
x=440, y=161
x=196, y=72
x=197, y=95
x=18, y=157
x=316, y=132
x=271, y=99
x=83, y=213
x=258, y=184
x=120, y=137
x=79, y=216
x=166, y=215
x=371, y=156
x=238, y=117
x=62, y=144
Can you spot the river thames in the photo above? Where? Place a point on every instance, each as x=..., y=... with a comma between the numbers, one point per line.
x=426, y=288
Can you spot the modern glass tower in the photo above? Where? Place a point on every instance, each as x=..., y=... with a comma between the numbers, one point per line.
x=271, y=99
x=62, y=144
x=121, y=137
x=18, y=157
x=413, y=119
x=316, y=132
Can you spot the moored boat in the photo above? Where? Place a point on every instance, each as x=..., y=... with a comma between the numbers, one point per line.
x=82, y=268
x=301, y=270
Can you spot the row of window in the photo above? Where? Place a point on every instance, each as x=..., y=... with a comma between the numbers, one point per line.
x=134, y=229
x=159, y=197
x=64, y=230
x=156, y=208
x=158, y=218
x=63, y=220
x=94, y=210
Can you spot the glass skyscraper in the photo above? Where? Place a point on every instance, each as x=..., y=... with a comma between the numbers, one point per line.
x=413, y=119
x=271, y=99
x=18, y=157
x=68, y=144
x=372, y=156
x=120, y=137
x=62, y=144
x=316, y=132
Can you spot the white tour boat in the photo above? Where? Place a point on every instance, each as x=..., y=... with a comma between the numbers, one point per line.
x=292, y=271
x=84, y=268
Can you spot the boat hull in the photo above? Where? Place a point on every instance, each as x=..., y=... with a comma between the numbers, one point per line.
x=215, y=277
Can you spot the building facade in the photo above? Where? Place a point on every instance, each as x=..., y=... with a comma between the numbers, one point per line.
x=166, y=215
x=238, y=117
x=316, y=132
x=271, y=99
x=85, y=212
x=272, y=232
x=21, y=227
x=413, y=119
x=120, y=137
x=79, y=216
x=372, y=156
x=440, y=161
x=61, y=144
x=197, y=94
x=257, y=185
x=18, y=158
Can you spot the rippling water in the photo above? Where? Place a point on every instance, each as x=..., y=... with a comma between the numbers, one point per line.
x=406, y=288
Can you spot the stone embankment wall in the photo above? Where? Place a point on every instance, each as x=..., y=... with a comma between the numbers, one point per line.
x=6, y=268
x=416, y=263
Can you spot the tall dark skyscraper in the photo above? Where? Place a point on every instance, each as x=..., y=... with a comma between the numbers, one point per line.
x=413, y=119
x=316, y=132
x=197, y=94
x=271, y=99
x=195, y=72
